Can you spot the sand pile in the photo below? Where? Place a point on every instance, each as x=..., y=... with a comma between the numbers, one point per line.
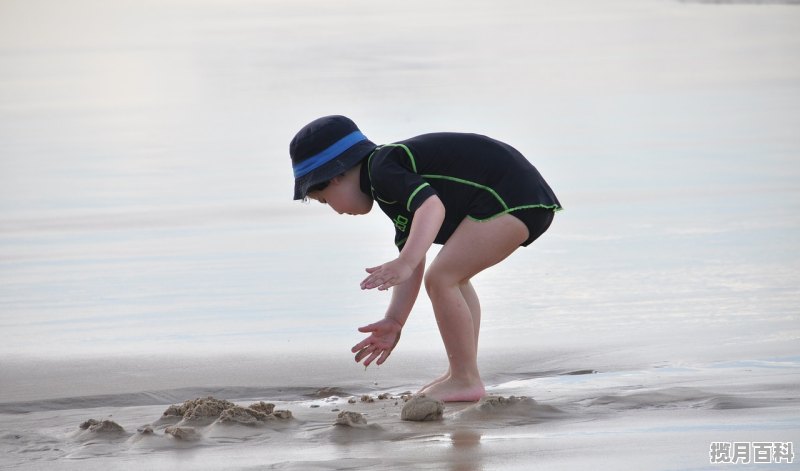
x=351, y=419
x=102, y=427
x=515, y=410
x=182, y=433
x=209, y=410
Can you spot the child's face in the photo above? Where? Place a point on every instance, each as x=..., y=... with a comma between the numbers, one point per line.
x=344, y=195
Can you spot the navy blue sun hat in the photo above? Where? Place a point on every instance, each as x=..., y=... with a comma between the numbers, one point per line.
x=325, y=148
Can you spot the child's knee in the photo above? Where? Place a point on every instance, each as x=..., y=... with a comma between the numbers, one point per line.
x=436, y=280
x=430, y=280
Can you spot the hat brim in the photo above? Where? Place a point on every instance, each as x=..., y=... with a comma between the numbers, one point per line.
x=337, y=166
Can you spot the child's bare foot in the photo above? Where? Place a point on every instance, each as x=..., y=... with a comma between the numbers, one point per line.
x=435, y=381
x=454, y=390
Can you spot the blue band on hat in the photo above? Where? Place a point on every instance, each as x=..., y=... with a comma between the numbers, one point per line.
x=333, y=151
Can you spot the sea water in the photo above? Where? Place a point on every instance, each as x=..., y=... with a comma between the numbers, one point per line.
x=147, y=231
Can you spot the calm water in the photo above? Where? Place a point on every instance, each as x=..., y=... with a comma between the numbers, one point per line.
x=145, y=186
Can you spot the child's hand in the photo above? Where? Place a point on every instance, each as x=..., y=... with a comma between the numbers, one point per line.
x=385, y=335
x=387, y=275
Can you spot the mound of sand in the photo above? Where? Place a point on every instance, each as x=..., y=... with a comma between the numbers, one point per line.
x=207, y=410
x=351, y=419
x=521, y=410
x=183, y=433
x=102, y=427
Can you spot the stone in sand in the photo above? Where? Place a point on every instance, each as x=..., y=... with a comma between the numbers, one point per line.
x=282, y=414
x=104, y=427
x=350, y=419
x=367, y=398
x=422, y=408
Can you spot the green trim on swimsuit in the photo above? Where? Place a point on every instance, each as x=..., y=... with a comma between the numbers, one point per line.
x=410, y=155
x=413, y=194
x=476, y=185
x=556, y=208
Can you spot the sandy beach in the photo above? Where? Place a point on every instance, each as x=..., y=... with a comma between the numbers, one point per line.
x=150, y=253
x=658, y=416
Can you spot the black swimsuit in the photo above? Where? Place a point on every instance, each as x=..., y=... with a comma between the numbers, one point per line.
x=473, y=175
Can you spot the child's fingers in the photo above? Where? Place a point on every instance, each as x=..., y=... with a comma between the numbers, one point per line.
x=360, y=345
x=368, y=328
x=372, y=282
x=371, y=270
x=383, y=357
x=361, y=354
x=372, y=357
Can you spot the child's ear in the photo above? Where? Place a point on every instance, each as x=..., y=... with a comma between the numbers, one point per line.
x=337, y=179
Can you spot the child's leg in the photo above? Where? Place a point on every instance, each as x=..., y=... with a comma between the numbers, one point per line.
x=475, y=312
x=473, y=247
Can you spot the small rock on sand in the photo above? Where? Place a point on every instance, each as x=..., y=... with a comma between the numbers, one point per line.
x=350, y=419
x=421, y=408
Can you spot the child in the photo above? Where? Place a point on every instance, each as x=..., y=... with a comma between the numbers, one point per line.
x=478, y=197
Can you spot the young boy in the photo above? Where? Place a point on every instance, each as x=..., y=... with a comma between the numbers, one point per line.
x=478, y=197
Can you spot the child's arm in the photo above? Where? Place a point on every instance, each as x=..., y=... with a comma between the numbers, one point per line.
x=426, y=224
x=405, y=274
x=386, y=332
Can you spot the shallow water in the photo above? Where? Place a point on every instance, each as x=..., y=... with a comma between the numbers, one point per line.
x=149, y=250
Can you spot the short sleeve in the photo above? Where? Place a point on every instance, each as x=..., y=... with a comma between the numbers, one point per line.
x=395, y=181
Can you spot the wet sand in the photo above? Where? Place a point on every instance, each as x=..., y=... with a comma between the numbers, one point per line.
x=660, y=417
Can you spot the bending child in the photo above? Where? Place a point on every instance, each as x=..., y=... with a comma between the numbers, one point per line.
x=478, y=197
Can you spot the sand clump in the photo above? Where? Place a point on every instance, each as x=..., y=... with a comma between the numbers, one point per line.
x=261, y=406
x=512, y=410
x=490, y=403
x=102, y=427
x=351, y=419
x=209, y=409
x=422, y=409
x=183, y=433
x=242, y=416
x=197, y=410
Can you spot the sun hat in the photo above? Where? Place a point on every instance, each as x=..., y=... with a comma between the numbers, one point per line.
x=325, y=148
